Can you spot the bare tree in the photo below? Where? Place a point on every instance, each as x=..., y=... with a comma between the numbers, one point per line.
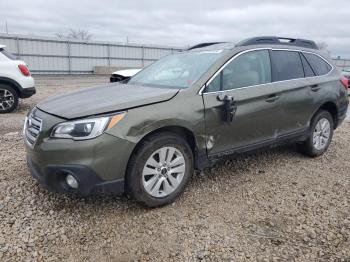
x=76, y=34
x=79, y=34
x=60, y=35
x=322, y=46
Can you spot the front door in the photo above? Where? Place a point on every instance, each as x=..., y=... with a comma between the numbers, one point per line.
x=246, y=79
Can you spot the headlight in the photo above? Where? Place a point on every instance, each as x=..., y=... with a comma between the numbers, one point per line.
x=85, y=128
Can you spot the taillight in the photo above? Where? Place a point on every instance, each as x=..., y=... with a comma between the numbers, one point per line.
x=345, y=82
x=24, y=70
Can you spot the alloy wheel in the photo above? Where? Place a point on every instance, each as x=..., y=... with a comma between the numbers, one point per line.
x=163, y=172
x=321, y=134
x=7, y=99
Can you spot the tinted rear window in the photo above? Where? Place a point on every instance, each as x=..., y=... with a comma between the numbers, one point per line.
x=7, y=54
x=319, y=66
x=307, y=68
x=286, y=65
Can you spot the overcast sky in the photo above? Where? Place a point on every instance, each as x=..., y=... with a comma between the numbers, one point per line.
x=182, y=22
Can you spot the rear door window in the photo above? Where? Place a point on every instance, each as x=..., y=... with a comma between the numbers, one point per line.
x=307, y=68
x=320, y=66
x=286, y=65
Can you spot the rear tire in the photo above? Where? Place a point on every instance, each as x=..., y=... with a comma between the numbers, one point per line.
x=8, y=99
x=159, y=170
x=321, y=133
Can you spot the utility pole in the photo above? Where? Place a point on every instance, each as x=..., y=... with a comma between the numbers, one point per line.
x=6, y=27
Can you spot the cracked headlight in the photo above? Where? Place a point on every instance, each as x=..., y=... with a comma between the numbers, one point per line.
x=85, y=128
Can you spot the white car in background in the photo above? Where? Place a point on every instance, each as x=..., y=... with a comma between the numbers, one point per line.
x=125, y=74
x=15, y=81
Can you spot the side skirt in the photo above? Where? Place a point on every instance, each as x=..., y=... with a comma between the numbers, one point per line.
x=298, y=136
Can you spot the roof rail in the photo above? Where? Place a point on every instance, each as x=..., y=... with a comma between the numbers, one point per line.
x=203, y=45
x=278, y=41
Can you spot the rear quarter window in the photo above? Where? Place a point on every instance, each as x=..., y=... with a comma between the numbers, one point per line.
x=8, y=54
x=319, y=65
x=286, y=65
x=307, y=68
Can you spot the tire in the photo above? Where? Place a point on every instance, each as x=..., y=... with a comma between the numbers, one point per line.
x=313, y=146
x=8, y=99
x=150, y=183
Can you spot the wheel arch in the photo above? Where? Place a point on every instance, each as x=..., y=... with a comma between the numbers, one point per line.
x=11, y=83
x=181, y=131
x=200, y=158
x=332, y=108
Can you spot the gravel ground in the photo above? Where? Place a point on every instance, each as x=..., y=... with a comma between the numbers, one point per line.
x=273, y=206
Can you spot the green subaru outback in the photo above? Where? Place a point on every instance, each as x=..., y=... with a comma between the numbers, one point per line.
x=186, y=111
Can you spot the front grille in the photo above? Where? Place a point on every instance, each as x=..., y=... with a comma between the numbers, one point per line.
x=32, y=129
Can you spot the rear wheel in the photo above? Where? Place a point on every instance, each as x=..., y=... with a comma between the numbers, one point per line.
x=8, y=99
x=321, y=133
x=159, y=170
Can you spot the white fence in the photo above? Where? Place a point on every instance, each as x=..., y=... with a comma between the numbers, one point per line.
x=55, y=56
x=342, y=64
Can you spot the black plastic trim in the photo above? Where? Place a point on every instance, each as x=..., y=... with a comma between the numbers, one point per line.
x=296, y=136
x=52, y=177
x=27, y=92
x=275, y=40
x=12, y=83
x=118, y=78
x=201, y=45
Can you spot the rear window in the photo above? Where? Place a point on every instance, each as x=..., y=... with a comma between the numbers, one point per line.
x=319, y=66
x=8, y=54
x=286, y=65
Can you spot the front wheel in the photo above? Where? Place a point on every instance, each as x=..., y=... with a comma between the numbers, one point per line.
x=159, y=170
x=321, y=133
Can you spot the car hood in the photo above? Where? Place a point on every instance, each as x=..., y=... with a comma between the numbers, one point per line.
x=104, y=99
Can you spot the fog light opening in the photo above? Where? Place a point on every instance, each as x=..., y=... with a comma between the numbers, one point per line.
x=71, y=181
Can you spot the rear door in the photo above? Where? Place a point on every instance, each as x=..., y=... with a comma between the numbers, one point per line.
x=295, y=103
x=247, y=80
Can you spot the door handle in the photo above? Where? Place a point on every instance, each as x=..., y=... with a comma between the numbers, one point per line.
x=315, y=88
x=272, y=98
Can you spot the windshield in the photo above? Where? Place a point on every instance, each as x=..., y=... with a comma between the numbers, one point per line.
x=179, y=70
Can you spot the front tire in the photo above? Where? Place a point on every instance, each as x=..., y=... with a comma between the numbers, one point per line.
x=159, y=170
x=321, y=134
x=8, y=99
